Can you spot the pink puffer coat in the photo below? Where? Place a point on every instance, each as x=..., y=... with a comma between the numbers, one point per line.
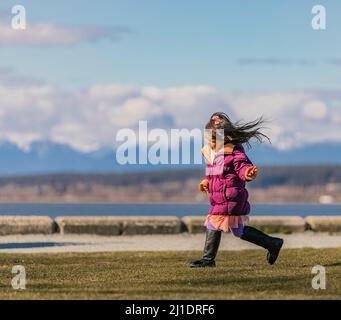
x=226, y=176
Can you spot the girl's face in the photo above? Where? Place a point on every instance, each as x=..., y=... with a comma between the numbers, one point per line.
x=216, y=120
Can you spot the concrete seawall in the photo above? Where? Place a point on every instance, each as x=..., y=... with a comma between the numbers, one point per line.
x=11, y=225
x=143, y=225
x=324, y=223
x=113, y=226
x=279, y=224
x=272, y=224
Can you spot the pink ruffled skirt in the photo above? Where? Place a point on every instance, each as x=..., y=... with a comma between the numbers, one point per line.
x=225, y=223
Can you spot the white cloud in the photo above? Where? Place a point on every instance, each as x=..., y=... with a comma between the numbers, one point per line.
x=295, y=118
x=50, y=34
x=315, y=110
x=89, y=119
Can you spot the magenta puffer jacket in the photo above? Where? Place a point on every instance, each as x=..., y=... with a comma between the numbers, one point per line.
x=226, y=176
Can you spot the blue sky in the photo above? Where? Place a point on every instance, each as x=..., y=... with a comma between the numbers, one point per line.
x=84, y=69
x=174, y=43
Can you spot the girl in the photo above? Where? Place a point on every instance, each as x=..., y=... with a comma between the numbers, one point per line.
x=228, y=169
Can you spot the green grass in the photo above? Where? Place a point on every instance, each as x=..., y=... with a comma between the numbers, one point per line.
x=165, y=275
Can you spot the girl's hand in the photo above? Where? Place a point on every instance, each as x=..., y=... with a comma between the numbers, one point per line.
x=203, y=186
x=251, y=173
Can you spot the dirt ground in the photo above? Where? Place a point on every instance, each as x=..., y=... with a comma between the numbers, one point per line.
x=180, y=242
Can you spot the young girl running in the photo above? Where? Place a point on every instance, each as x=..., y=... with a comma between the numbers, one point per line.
x=227, y=170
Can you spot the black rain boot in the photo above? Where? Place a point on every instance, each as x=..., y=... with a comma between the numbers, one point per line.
x=273, y=245
x=210, y=250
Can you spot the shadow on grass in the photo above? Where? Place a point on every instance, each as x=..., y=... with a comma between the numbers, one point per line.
x=248, y=281
x=30, y=245
x=335, y=264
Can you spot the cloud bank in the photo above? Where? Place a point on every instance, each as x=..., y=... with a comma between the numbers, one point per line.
x=286, y=62
x=270, y=61
x=9, y=78
x=44, y=34
x=89, y=119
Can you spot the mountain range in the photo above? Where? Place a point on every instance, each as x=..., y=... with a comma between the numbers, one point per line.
x=48, y=157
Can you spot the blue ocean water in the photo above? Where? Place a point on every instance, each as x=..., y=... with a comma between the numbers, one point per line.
x=180, y=210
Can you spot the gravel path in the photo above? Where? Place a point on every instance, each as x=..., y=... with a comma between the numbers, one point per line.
x=88, y=243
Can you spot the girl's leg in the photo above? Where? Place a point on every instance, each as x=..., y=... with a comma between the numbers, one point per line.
x=238, y=232
x=210, y=250
x=273, y=245
x=212, y=244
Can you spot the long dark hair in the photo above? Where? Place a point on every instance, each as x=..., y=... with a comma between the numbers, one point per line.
x=237, y=133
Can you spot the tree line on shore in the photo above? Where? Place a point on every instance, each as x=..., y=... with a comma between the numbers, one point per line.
x=269, y=176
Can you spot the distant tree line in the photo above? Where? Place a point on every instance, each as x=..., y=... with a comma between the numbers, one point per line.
x=269, y=176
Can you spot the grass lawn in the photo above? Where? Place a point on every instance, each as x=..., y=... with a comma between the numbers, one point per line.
x=165, y=275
